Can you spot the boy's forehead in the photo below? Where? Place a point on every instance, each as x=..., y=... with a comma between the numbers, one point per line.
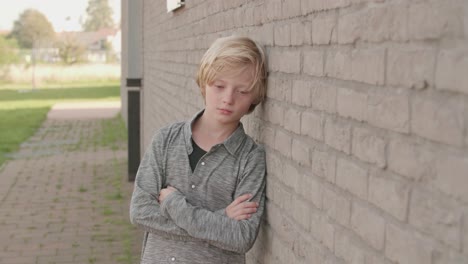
x=243, y=78
x=241, y=74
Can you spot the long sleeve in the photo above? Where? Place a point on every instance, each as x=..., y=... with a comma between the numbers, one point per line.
x=145, y=210
x=216, y=228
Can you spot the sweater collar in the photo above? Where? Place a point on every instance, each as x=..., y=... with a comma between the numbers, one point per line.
x=232, y=143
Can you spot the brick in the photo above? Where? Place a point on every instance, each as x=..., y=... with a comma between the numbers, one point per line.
x=306, y=7
x=280, y=252
x=287, y=61
x=279, y=89
x=301, y=152
x=387, y=22
x=228, y=5
x=249, y=16
x=410, y=159
x=389, y=110
x=451, y=175
x=284, y=198
x=322, y=230
x=324, y=165
x=283, y=143
x=338, y=64
x=317, y=5
x=301, y=93
x=351, y=103
x=438, y=119
x=336, y=206
x=389, y=194
x=313, y=63
x=323, y=29
x=284, y=86
x=263, y=34
x=347, y=249
x=301, y=213
x=413, y=68
x=291, y=177
x=291, y=8
x=452, y=66
x=292, y=120
x=324, y=97
x=405, y=247
x=434, y=19
x=267, y=136
x=351, y=177
x=314, y=254
x=369, y=147
x=350, y=27
x=466, y=130
x=437, y=217
x=19, y=260
x=301, y=33
x=310, y=189
x=283, y=35
x=465, y=234
x=368, y=66
x=309, y=6
x=448, y=257
x=312, y=125
x=300, y=246
x=274, y=113
x=373, y=231
x=275, y=166
x=270, y=190
x=338, y=135
x=273, y=10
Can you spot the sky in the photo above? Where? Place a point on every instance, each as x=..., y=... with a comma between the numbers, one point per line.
x=64, y=15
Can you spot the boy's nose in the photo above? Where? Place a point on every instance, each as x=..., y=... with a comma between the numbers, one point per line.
x=228, y=97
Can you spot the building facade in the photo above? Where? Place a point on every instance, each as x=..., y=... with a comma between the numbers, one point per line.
x=365, y=122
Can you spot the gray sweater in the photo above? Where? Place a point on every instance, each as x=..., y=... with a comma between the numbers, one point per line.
x=191, y=226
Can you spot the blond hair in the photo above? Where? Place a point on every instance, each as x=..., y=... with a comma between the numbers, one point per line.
x=234, y=54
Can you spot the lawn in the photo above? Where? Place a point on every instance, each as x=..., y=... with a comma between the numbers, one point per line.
x=22, y=109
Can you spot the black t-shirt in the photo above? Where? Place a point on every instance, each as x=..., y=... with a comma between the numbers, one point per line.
x=196, y=155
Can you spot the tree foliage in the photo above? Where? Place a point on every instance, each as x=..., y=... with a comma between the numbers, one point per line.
x=32, y=29
x=8, y=51
x=70, y=49
x=99, y=15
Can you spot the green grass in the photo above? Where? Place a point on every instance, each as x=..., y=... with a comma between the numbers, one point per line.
x=113, y=133
x=22, y=109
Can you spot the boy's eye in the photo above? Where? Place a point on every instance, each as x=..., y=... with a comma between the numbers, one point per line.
x=219, y=86
x=244, y=92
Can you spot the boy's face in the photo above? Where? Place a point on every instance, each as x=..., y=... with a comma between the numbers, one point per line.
x=228, y=97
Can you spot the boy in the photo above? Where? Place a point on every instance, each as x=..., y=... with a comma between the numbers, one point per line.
x=200, y=189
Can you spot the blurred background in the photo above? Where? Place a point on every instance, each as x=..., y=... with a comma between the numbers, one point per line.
x=48, y=51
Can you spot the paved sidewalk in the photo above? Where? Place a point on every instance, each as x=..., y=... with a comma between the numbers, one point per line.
x=64, y=197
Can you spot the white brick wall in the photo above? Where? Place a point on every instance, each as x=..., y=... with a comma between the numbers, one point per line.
x=365, y=122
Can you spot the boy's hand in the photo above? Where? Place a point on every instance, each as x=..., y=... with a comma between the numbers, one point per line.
x=165, y=192
x=239, y=209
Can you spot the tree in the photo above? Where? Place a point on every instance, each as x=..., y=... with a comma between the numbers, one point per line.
x=70, y=49
x=8, y=55
x=32, y=29
x=99, y=15
x=8, y=51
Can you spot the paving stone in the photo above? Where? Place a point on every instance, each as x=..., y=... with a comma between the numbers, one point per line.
x=64, y=197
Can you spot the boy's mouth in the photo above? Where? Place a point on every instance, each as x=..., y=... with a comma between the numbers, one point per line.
x=224, y=111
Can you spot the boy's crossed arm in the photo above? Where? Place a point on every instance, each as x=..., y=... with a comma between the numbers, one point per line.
x=145, y=210
x=221, y=230
x=239, y=209
x=233, y=228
